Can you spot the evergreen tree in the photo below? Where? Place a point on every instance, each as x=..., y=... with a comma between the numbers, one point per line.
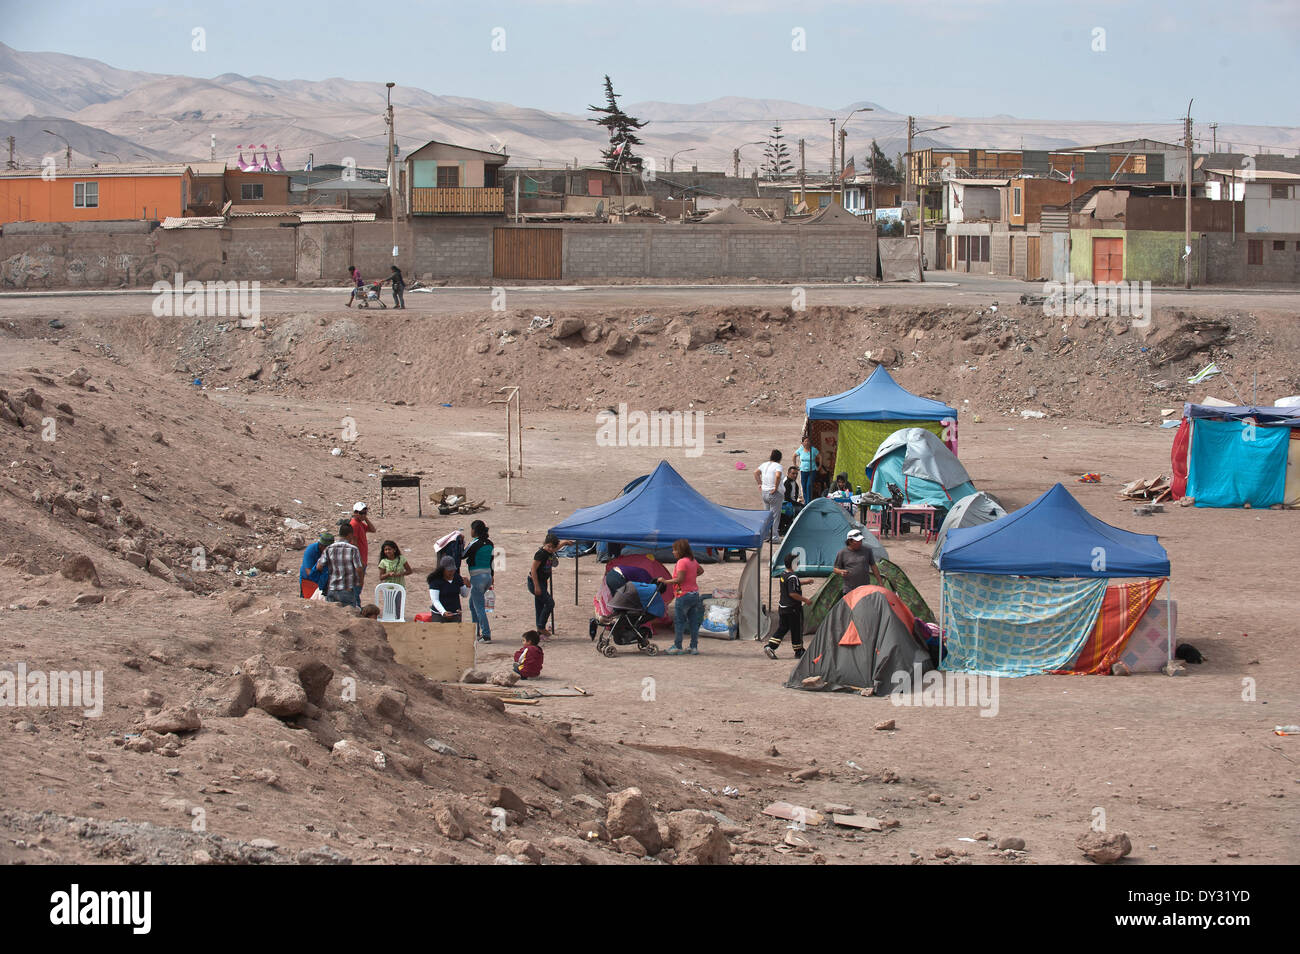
x=881, y=168
x=622, y=131
x=777, y=164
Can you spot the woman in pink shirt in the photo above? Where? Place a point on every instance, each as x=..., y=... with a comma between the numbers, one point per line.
x=688, y=610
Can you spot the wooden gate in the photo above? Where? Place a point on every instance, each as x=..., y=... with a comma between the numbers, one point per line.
x=527, y=253
x=1107, y=260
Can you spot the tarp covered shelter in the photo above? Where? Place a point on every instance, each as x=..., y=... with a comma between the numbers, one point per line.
x=900, y=260
x=1231, y=456
x=973, y=511
x=861, y=644
x=818, y=532
x=850, y=425
x=921, y=465
x=660, y=509
x=1023, y=594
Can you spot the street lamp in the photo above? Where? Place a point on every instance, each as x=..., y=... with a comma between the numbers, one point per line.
x=735, y=154
x=105, y=152
x=843, y=135
x=673, y=157
x=920, y=204
x=65, y=143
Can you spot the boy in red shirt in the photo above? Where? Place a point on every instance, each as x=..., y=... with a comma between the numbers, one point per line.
x=528, y=657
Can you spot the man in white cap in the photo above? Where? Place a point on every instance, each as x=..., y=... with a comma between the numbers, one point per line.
x=856, y=563
x=361, y=525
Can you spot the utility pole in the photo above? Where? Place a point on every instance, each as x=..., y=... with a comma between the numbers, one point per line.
x=735, y=163
x=832, y=171
x=844, y=135
x=12, y=164
x=1187, y=219
x=392, y=168
x=1214, y=133
x=212, y=148
x=802, y=168
x=911, y=126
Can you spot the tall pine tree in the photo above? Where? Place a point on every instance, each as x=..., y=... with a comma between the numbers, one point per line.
x=622, y=131
x=777, y=164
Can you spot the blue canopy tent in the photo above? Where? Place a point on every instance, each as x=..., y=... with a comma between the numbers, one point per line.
x=870, y=412
x=660, y=509
x=1054, y=537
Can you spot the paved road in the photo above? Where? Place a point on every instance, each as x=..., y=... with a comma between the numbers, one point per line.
x=942, y=289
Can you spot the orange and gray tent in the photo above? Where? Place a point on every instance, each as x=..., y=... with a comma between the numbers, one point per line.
x=861, y=644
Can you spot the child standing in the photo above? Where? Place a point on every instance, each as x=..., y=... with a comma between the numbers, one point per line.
x=789, y=612
x=528, y=657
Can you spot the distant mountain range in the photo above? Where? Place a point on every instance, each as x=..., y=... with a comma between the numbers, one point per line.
x=104, y=112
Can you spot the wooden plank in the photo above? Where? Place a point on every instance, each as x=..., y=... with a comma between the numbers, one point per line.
x=442, y=651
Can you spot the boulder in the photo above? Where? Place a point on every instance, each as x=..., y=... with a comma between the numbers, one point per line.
x=389, y=703
x=448, y=821
x=161, y=570
x=523, y=850
x=230, y=697
x=501, y=797
x=174, y=719
x=268, y=563
x=618, y=343
x=81, y=569
x=629, y=814
x=592, y=332
x=474, y=677
x=1102, y=847
x=314, y=675
x=567, y=326
x=277, y=689
x=358, y=755
x=697, y=839
x=238, y=517
x=504, y=677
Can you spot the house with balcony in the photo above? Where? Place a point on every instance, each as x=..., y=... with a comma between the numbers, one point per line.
x=444, y=179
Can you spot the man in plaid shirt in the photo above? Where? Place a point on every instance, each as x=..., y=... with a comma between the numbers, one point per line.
x=347, y=574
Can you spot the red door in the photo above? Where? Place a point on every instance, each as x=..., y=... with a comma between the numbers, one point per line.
x=1107, y=260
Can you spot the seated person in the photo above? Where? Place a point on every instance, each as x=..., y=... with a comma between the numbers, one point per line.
x=528, y=657
x=446, y=587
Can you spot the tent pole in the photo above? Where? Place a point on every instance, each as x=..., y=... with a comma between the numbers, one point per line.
x=941, y=619
x=769, y=570
x=576, y=557
x=1169, y=619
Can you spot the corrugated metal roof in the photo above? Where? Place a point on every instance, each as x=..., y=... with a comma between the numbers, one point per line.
x=1257, y=175
x=194, y=222
x=978, y=182
x=314, y=217
x=108, y=169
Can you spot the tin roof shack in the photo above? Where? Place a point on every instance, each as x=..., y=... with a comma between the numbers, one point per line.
x=973, y=200
x=358, y=195
x=443, y=179
x=102, y=193
x=1134, y=233
x=1271, y=198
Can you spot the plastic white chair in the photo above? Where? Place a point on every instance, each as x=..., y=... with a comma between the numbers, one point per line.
x=391, y=599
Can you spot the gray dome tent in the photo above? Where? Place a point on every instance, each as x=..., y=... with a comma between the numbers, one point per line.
x=970, y=511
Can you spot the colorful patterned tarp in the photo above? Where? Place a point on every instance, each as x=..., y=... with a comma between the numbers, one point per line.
x=1017, y=625
x=1122, y=609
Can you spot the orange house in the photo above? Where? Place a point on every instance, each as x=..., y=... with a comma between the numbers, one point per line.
x=98, y=194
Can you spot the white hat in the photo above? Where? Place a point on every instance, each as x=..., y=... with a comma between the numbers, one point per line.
x=358, y=506
x=854, y=534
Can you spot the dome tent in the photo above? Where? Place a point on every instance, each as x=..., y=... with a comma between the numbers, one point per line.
x=919, y=463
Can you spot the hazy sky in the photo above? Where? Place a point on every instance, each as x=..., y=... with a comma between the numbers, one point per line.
x=1025, y=58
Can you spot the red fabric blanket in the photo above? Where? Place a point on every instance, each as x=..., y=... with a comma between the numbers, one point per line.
x=1121, y=610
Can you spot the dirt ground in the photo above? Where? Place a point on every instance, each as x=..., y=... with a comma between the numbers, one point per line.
x=143, y=461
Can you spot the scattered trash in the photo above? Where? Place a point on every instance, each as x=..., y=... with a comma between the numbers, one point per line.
x=1089, y=478
x=1286, y=730
x=538, y=323
x=337, y=452
x=1034, y=415
x=1156, y=489
x=292, y=524
x=442, y=748
x=740, y=465
x=1207, y=372
x=1166, y=425
x=858, y=821
x=731, y=791
x=444, y=405
x=794, y=813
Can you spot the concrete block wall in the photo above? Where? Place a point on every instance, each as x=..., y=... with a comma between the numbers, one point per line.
x=80, y=259
x=605, y=251
x=1227, y=260
x=462, y=251
x=263, y=255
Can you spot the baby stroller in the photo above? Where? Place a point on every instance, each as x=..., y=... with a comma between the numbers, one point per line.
x=368, y=294
x=632, y=605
